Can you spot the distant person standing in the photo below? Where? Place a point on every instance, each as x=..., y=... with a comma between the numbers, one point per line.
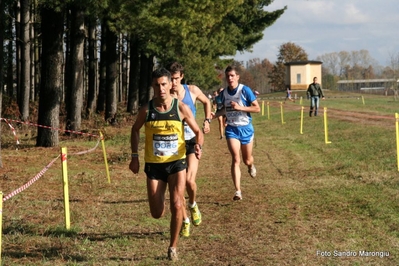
x=289, y=95
x=314, y=93
x=238, y=102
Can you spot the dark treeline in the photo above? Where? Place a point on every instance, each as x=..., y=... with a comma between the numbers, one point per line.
x=84, y=57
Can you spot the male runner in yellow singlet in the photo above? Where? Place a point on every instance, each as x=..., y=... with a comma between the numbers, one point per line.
x=165, y=152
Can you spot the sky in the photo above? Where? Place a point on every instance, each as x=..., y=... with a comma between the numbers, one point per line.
x=326, y=26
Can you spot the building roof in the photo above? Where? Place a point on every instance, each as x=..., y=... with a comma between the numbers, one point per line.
x=314, y=62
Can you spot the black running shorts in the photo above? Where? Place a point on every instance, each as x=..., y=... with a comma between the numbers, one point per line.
x=161, y=171
x=190, y=146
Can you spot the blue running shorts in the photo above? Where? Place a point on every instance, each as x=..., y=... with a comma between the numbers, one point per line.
x=245, y=134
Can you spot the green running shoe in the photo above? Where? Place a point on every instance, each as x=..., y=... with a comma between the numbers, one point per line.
x=185, y=229
x=195, y=215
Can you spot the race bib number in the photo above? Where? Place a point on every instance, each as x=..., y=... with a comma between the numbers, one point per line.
x=236, y=118
x=232, y=115
x=165, y=145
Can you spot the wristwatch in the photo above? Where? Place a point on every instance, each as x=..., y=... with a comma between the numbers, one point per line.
x=208, y=119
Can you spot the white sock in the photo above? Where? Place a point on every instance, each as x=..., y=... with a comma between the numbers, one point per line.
x=187, y=220
x=192, y=205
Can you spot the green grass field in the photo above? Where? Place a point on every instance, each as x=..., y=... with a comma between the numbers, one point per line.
x=312, y=203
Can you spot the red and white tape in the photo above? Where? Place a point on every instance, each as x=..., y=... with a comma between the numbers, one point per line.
x=41, y=173
x=52, y=128
x=12, y=129
x=30, y=182
x=87, y=151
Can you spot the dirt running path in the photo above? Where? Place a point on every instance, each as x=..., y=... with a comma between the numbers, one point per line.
x=367, y=118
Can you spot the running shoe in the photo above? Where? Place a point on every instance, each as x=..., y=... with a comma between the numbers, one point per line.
x=252, y=171
x=172, y=254
x=237, y=196
x=196, y=215
x=185, y=229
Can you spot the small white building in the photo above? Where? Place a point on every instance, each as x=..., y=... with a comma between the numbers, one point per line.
x=299, y=74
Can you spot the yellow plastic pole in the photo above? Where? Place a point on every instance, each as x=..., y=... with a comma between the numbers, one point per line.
x=268, y=110
x=397, y=137
x=1, y=221
x=65, y=183
x=301, y=130
x=263, y=108
x=105, y=157
x=282, y=113
x=325, y=126
x=300, y=100
x=363, y=99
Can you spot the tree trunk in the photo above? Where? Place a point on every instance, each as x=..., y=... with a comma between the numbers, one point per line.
x=111, y=77
x=25, y=60
x=36, y=57
x=103, y=67
x=2, y=32
x=126, y=69
x=150, y=69
x=17, y=10
x=51, y=85
x=143, y=81
x=10, y=66
x=33, y=49
x=67, y=50
x=134, y=76
x=93, y=62
x=74, y=102
x=120, y=68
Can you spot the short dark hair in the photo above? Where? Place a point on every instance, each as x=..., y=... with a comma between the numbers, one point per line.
x=235, y=68
x=161, y=72
x=175, y=67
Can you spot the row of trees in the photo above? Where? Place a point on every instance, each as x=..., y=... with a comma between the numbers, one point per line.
x=267, y=77
x=90, y=55
x=354, y=65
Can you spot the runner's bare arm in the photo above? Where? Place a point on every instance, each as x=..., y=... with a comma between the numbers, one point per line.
x=188, y=117
x=204, y=100
x=254, y=108
x=200, y=96
x=135, y=138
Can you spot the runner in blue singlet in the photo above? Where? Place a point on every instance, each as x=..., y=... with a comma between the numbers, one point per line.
x=189, y=94
x=239, y=101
